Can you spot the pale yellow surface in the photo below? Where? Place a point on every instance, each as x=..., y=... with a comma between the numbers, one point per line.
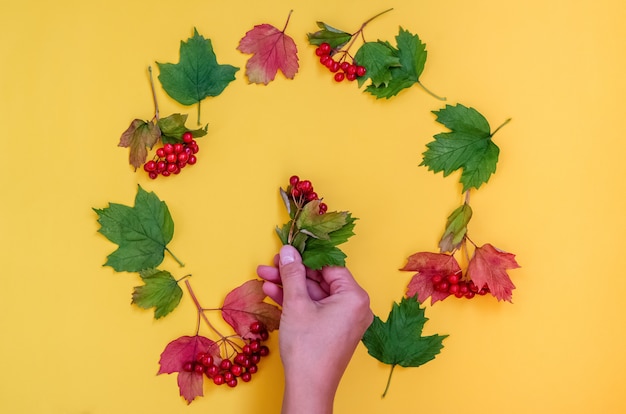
x=72, y=77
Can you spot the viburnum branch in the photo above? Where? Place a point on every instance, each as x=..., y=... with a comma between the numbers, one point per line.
x=201, y=310
x=356, y=34
x=154, y=98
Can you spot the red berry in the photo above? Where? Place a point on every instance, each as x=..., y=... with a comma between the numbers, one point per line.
x=236, y=370
x=255, y=345
x=187, y=137
x=360, y=71
x=192, y=160
x=329, y=63
x=246, y=377
x=264, y=351
x=311, y=196
x=323, y=208
x=199, y=368
x=304, y=186
x=160, y=152
x=207, y=360
x=183, y=157
x=153, y=174
x=436, y=279
x=334, y=67
x=228, y=376
x=255, y=327
x=325, y=48
x=442, y=286
x=246, y=350
x=319, y=52
x=324, y=59
x=219, y=379
x=253, y=369
x=339, y=76
x=188, y=366
x=178, y=147
x=351, y=70
x=150, y=166
x=453, y=279
x=344, y=65
x=212, y=370
x=293, y=180
x=232, y=383
x=351, y=76
x=470, y=294
x=226, y=364
x=168, y=148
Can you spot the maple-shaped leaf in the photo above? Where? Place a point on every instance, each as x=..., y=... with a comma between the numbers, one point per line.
x=488, y=266
x=141, y=232
x=197, y=75
x=272, y=50
x=468, y=146
x=411, y=54
x=456, y=228
x=327, y=34
x=139, y=137
x=427, y=265
x=182, y=351
x=378, y=57
x=318, y=253
x=173, y=127
x=245, y=304
x=399, y=340
x=317, y=225
x=160, y=291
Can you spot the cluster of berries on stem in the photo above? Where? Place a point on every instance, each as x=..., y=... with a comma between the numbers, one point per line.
x=342, y=68
x=239, y=366
x=453, y=284
x=172, y=158
x=301, y=192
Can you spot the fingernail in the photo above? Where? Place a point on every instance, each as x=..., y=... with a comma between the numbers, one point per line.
x=287, y=255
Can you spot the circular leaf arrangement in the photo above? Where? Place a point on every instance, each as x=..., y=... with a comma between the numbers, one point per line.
x=142, y=232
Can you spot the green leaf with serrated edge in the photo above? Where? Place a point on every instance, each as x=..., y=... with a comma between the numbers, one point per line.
x=411, y=53
x=141, y=232
x=399, y=340
x=334, y=37
x=319, y=253
x=197, y=75
x=173, y=127
x=139, y=136
x=456, y=228
x=160, y=291
x=378, y=58
x=317, y=225
x=468, y=146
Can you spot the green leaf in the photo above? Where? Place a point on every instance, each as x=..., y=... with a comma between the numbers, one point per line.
x=378, y=58
x=318, y=253
x=173, y=127
x=411, y=54
x=399, y=340
x=197, y=75
x=334, y=37
x=160, y=291
x=142, y=232
x=456, y=228
x=468, y=146
x=318, y=225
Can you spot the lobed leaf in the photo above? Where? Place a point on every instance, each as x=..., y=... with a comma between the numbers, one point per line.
x=160, y=291
x=139, y=136
x=246, y=304
x=488, y=266
x=141, y=232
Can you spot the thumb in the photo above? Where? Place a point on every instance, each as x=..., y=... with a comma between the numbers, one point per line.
x=292, y=274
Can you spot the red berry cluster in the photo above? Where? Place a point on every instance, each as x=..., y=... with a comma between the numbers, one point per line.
x=172, y=158
x=454, y=285
x=241, y=366
x=301, y=192
x=342, y=69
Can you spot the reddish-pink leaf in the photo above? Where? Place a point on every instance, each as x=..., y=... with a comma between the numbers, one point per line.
x=184, y=350
x=488, y=266
x=245, y=304
x=272, y=50
x=427, y=265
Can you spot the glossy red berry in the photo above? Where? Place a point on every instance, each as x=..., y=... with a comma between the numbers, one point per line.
x=339, y=76
x=187, y=137
x=360, y=71
x=325, y=48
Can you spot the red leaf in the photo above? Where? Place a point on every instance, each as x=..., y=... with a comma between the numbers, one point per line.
x=488, y=266
x=428, y=264
x=184, y=350
x=245, y=304
x=272, y=49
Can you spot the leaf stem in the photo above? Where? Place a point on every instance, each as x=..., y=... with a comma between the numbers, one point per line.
x=201, y=311
x=199, y=113
x=431, y=93
x=154, y=98
x=287, y=22
x=388, y=381
x=181, y=264
x=501, y=125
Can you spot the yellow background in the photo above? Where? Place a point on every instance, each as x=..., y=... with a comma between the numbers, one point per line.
x=73, y=74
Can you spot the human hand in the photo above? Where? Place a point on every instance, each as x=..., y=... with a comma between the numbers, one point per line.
x=324, y=316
